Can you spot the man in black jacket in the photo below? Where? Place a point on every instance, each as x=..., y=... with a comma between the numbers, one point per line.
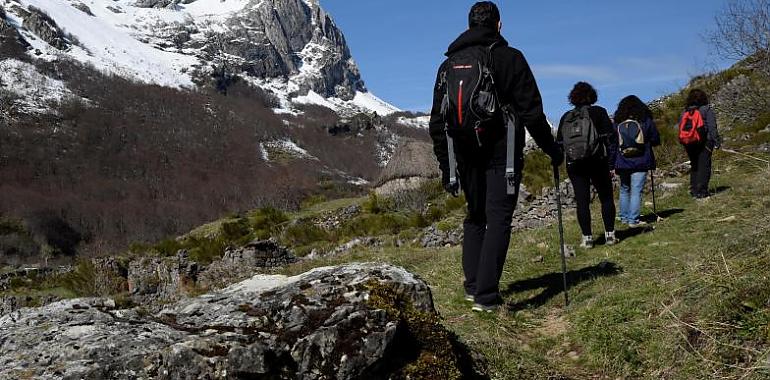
x=487, y=227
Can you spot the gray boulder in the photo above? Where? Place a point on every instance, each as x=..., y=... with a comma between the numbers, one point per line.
x=359, y=321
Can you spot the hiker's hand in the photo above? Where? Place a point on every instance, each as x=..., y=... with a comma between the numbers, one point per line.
x=452, y=188
x=557, y=156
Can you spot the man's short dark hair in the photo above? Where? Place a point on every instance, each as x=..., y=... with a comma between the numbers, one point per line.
x=484, y=14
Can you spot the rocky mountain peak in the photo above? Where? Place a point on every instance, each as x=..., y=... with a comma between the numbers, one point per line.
x=292, y=48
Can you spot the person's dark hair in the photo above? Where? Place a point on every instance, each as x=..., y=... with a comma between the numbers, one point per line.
x=583, y=94
x=697, y=98
x=484, y=14
x=632, y=108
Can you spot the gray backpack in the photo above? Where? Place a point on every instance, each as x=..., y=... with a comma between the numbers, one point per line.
x=580, y=137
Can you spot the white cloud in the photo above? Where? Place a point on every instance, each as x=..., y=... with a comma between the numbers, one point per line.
x=586, y=72
x=619, y=72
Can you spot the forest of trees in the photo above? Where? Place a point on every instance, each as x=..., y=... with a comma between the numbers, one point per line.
x=128, y=162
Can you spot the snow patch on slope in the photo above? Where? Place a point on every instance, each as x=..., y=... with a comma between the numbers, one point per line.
x=272, y=150
x=420, y=122
x=104, y=42
x=362, y=102
x=35, y=90
x=367, y=100
x=212, y=8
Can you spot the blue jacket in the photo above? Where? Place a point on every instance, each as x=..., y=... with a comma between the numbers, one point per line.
x=646, y=161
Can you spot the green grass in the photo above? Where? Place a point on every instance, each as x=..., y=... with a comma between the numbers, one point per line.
x=209, y=242
x=688, y=300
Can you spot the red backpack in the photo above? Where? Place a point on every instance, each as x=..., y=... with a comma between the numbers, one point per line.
x=691, y=127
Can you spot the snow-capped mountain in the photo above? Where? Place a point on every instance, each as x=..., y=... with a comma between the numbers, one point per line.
x=291, y=48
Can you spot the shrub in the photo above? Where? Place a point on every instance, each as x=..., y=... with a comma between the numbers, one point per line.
x=305, y=233
x=538, y=172
x=312, y=201
x=454, y=203
x=266, y=222
x=375, y=204
x=82, y=280
x=376, y=225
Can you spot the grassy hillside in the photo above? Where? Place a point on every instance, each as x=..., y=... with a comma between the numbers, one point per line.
x=687, y=298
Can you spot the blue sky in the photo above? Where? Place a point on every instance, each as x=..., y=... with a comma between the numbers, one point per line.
x=648, y=48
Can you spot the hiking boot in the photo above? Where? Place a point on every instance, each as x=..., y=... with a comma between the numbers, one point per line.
x=587, y=242
x=479, y=308
x=610, y=238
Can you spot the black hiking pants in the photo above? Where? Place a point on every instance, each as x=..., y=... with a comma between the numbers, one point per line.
x=583, y=174
x=700, y=172
x=487, y=229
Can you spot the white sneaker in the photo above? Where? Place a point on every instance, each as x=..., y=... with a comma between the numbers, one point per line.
x=587, y=242
x=479, y=308
x=610, y=239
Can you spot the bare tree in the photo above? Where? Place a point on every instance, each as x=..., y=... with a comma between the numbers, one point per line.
x=742, y=30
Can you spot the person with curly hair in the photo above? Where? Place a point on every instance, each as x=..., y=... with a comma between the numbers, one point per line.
x=700, y=153
x=596, y=168
x=632, y=168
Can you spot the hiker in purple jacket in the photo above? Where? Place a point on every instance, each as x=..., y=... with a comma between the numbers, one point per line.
x=635, y=156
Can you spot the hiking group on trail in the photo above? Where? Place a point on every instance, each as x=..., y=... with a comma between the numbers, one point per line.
x=486, y=95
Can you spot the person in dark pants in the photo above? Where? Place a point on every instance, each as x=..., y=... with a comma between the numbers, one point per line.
x=632, y=167
x=596, y=168
x=700, y=153
x=487, y=227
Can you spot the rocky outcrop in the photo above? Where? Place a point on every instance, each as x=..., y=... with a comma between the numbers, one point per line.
x=83, y=8
x=42, y=25
x=435, y=237
x=243, y=262
x=11, y=303
x=535, y=212
x=739, y=102
x=153, y=281
x=284, y=39
x=333, y=219
x=12, y=45
x=160, y=3
x=359, y=321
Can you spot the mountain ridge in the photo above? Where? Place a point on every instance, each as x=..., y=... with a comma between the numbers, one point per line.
x=291, y=48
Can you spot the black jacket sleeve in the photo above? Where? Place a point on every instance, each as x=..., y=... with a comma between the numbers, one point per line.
x=607, y=130
x=653, y=133
x=436, y=128
x=713, y=140
x=559, y=137
x=528, y=103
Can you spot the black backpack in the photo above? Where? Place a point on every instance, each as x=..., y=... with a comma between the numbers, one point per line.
x=580, y=137
x=631, y=139
x=470, y=99
x=471, y=105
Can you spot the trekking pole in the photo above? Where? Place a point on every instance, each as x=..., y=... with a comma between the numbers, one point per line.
x=561, y=234
x=654, y=204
